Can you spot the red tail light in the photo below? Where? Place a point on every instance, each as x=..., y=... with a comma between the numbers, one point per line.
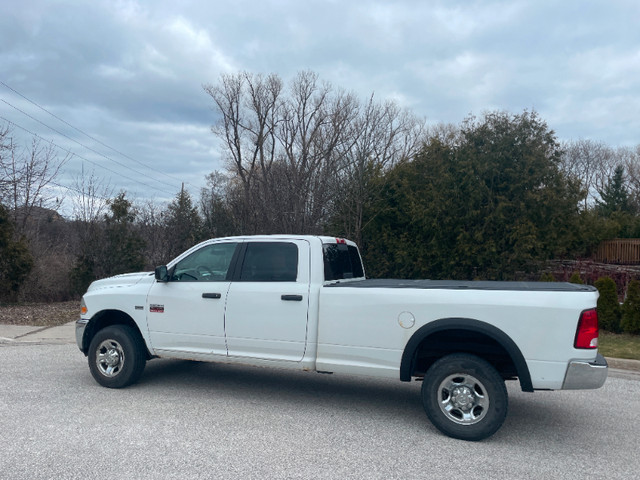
x=587, y=333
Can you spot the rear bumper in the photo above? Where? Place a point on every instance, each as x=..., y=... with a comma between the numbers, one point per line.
x=582, y=375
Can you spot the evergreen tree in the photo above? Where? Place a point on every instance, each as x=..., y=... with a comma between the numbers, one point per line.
x=576, y=278
x=16, y=261
x=630, y=322
x=123, y=245
x=608, y=306
x=487, y=205
x=614, y=196
x=183, y=224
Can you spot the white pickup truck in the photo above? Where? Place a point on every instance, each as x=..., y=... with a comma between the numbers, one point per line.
x=302, y=302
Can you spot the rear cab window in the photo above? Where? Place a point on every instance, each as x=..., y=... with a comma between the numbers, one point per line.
x=342, y=262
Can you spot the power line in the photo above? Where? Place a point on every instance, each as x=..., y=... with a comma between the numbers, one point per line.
x=75, y=154
x=82, y=145
x=80, y=192
x=89, y=136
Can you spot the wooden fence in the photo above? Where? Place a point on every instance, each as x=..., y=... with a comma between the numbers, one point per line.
x=621, y=251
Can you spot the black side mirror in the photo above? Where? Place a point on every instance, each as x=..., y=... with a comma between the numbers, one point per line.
x=162, y=274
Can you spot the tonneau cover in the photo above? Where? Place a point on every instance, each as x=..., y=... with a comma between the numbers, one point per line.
x=466, y=285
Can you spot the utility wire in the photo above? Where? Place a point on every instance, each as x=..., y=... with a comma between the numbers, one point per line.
x=82, y=145
x=75, y=154
x=89, y=136
x=80, y=192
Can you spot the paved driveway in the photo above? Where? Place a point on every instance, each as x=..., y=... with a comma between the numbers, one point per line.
x=198, y=420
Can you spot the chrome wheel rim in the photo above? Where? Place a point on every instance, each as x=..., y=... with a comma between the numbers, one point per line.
x=109, y=358
x=463, y=399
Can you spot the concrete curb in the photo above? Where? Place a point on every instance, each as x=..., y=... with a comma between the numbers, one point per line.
x=624, y=364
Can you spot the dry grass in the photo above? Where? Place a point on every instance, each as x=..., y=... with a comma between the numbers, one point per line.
x=40, y=314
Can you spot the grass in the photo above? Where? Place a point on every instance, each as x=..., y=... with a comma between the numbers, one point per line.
x=619, y=345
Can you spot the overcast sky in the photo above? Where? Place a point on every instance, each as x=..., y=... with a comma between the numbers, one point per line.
x=128, y=74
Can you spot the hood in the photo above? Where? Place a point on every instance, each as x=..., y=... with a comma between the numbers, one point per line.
x=122, y=280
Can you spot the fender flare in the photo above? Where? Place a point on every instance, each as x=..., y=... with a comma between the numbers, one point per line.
x=105, y=318
x=411, y=348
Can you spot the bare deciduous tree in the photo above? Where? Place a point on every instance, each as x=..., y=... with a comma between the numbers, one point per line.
x=247, y=104
x=299, y=154
x=630, y=159
x=152, y=227
x=91, y=202
x=594, y=164
x=28, y=174
x=215, y=206
x=384, y=134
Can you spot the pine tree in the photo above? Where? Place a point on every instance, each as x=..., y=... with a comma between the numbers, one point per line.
x=614, y=196
x=183, y=223
x=124, y=245
x=630, y=322
x=608, y=306
x=16, y=261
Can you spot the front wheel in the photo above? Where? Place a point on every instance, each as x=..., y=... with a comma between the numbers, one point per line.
x=464, y=397
x=116, y=356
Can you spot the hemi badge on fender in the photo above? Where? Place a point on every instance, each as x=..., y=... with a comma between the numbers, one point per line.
x=153, y=308
x=139, y=307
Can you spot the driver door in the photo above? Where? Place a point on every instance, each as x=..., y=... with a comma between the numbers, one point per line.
x=186, y=313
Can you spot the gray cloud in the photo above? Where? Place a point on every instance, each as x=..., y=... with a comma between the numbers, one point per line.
x=130, y=73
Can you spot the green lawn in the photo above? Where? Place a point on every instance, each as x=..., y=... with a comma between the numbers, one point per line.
x=619, y=345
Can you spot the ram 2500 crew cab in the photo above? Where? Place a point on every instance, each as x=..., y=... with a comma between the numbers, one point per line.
x=303, y=302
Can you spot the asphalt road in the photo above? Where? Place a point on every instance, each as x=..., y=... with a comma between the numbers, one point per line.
x=198, y=420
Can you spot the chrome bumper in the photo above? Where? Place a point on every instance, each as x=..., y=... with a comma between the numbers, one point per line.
x=586, y=375
x=80, y=326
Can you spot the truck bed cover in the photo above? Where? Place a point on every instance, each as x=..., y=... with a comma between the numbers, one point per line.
x=465, y=285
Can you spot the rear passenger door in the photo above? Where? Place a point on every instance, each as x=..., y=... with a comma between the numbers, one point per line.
x=268, y=301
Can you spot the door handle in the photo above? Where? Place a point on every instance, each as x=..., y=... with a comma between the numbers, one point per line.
x=292, y=298
x=211, y=295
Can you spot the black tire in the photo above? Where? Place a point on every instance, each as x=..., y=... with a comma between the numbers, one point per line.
x=465, y=397
x=117, y=356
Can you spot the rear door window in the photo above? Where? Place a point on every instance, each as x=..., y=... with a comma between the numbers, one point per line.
x=270, y=262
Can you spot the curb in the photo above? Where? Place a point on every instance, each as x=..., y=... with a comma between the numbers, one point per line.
x=624, y=364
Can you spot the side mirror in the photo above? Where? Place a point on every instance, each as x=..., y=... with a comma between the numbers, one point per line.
x=162, y=274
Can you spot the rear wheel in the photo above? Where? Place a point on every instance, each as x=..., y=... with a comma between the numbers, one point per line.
x=464, y=397
x=116, y=356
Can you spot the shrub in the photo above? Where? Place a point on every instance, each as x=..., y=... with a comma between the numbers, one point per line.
x=576, y=278
x=547, y=277
x=630, y=322
x=608, y=306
